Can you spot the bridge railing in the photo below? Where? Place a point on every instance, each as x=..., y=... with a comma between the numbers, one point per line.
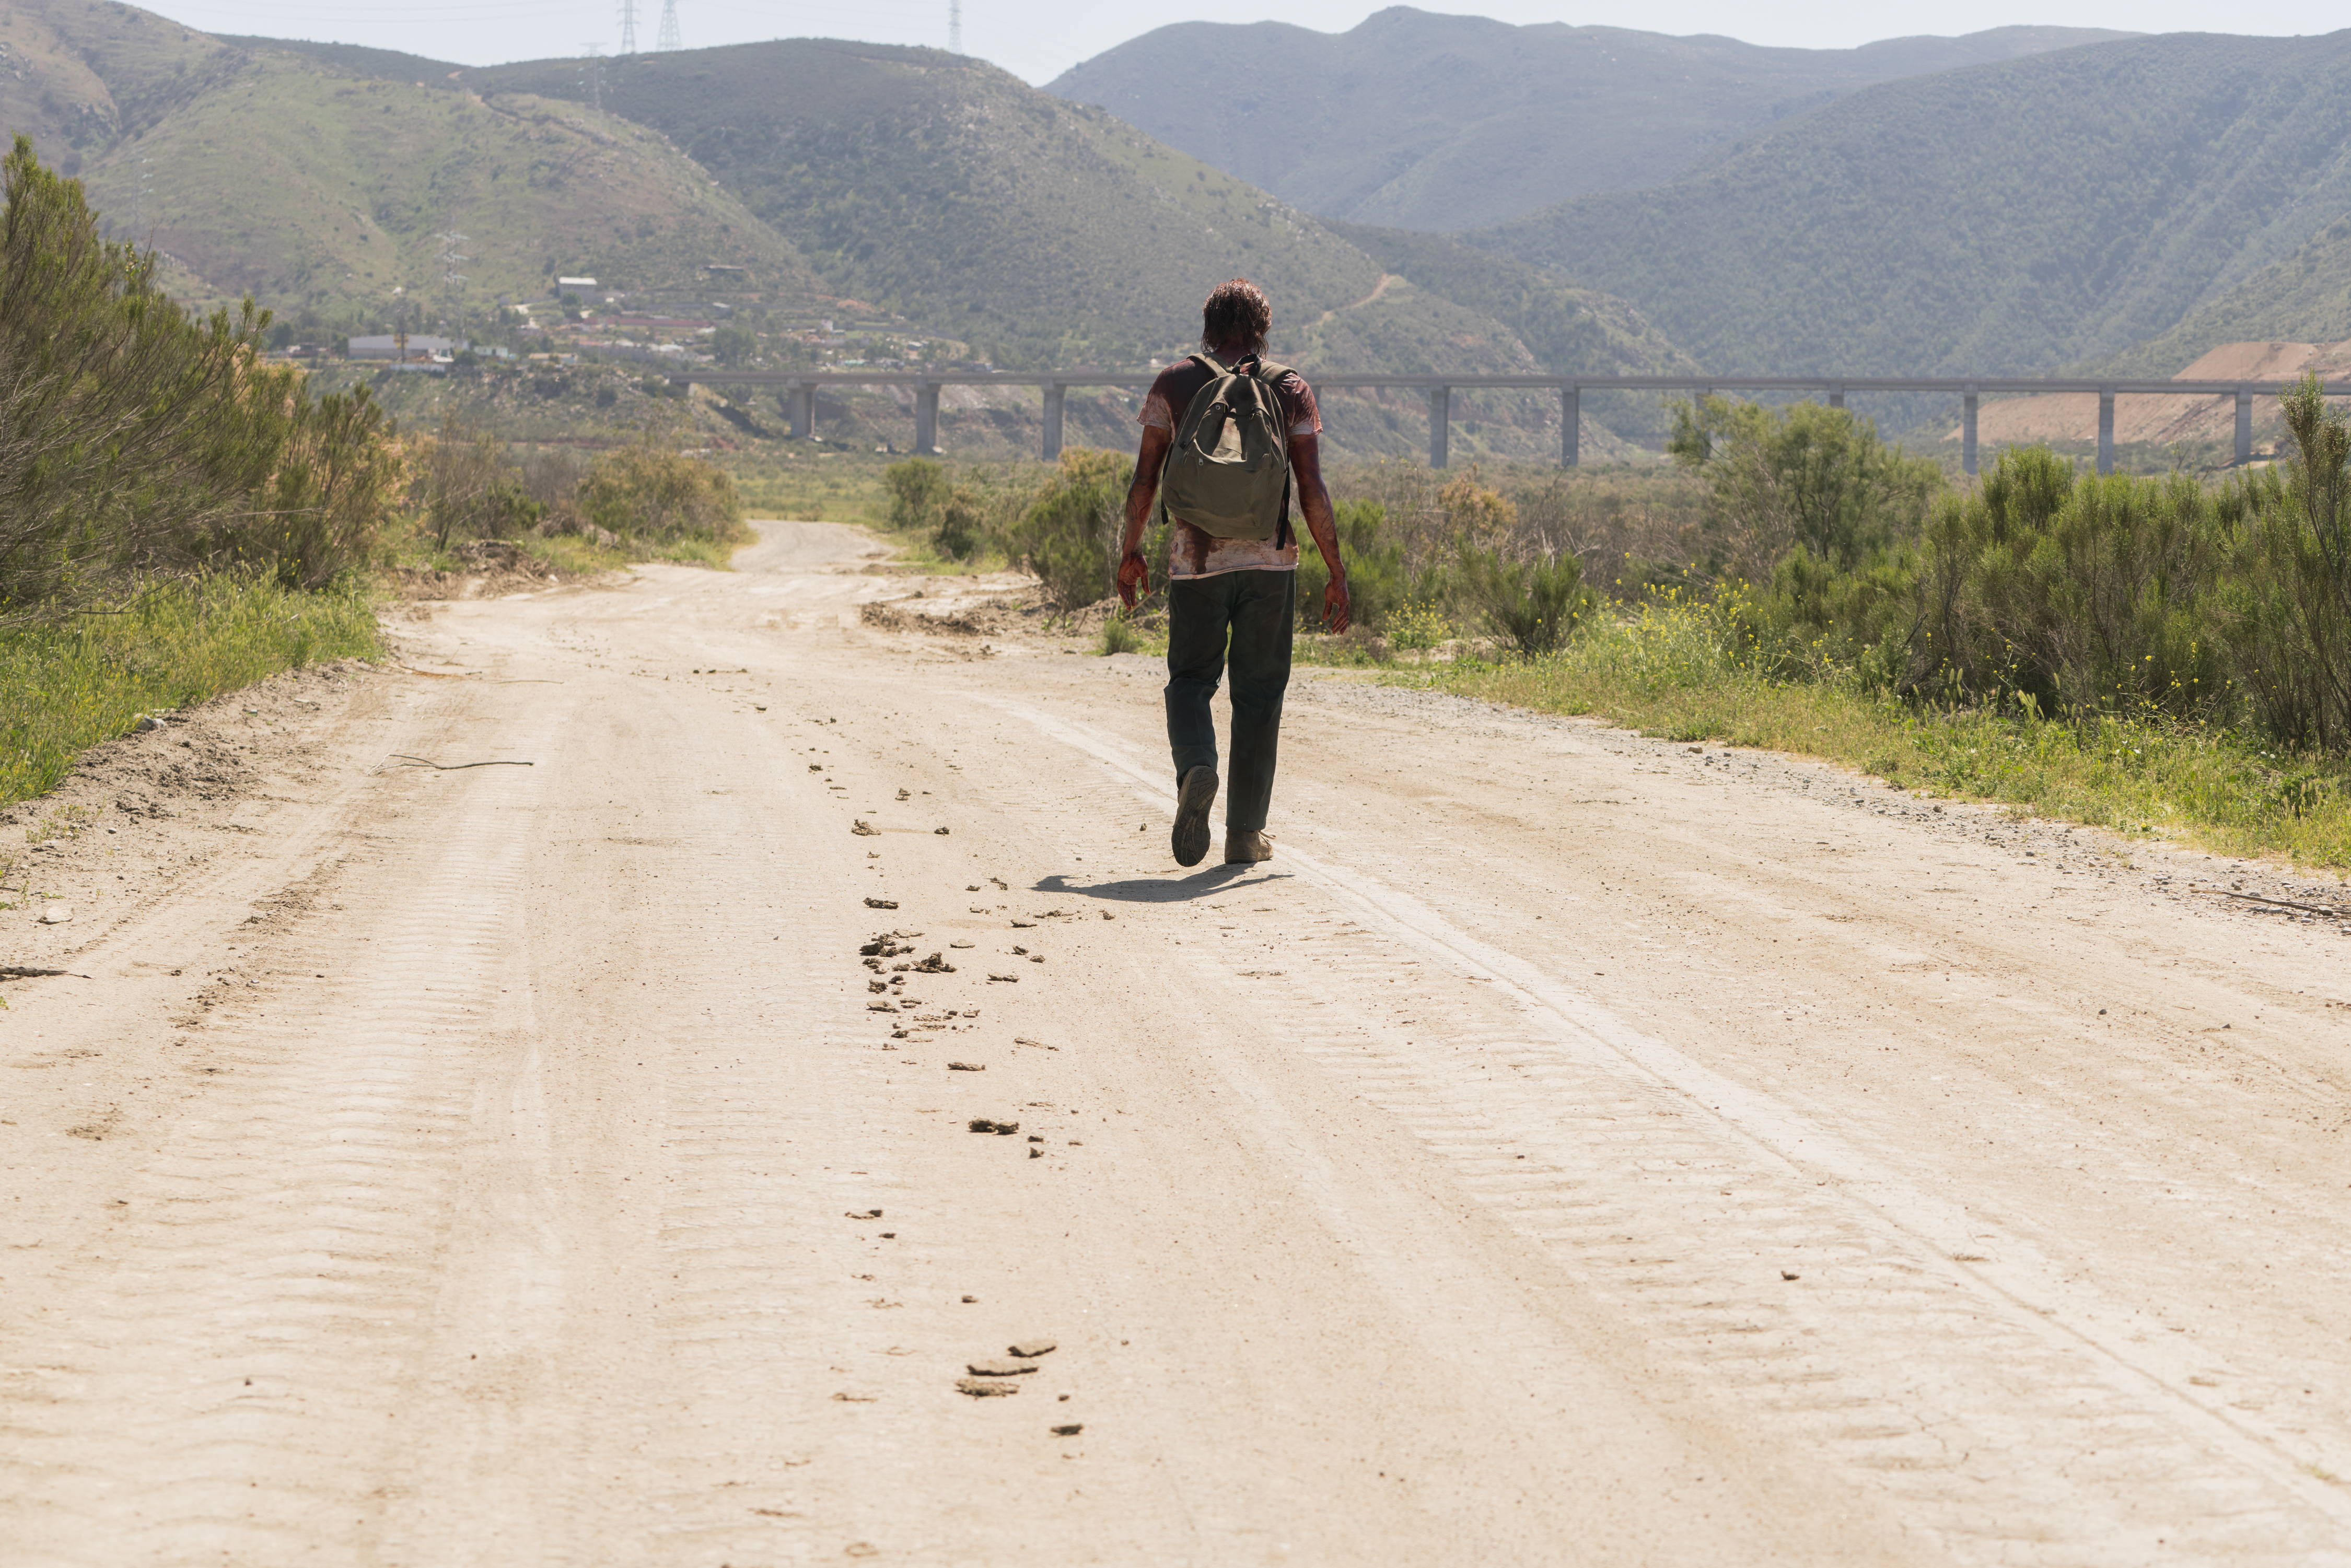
x=800, y=389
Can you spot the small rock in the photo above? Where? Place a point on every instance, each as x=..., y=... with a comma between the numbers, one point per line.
x=984, y=1125
x=941, y=831
x=966, y=1067
x=816, y=767
x=1007, y=979
x=865, y=830
x=1036, y=958
x=1001, y=1368
x=1036, y=1154
x=862, y=1213
x=959, y=944
x=147, y=722
x=985, y=1388
x=971, y=887
x=1070, y=1431
x=967, y=1300
x=1030, y=1349
x=57, y=914
x=1106, y=914
x=1786, y=1275
x=881, y=904
x=935, y=964
x=902, y=795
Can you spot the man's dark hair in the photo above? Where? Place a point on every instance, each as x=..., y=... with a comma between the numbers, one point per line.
x=1237, y=312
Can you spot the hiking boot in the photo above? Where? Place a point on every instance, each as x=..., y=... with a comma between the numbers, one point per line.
x=1247, y=846
x=1194, y=796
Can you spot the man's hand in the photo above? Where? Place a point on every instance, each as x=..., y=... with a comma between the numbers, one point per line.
x=1338, y=614
x=1134, y=576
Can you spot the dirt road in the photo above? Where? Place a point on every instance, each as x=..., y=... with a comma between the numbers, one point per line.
x=1571, y=1148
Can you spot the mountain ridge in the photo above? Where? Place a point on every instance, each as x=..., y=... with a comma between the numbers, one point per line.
x=1929, y=226
x=1414, y=120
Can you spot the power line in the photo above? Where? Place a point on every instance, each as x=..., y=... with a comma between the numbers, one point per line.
x=955, y=26
x=668, y=38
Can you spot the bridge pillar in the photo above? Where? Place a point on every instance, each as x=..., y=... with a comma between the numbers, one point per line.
x=799, y=405
x=1440, y=424
x=2106, y=430
x=1570, y=425
x=1836, y=395
x=1055, y=393
x=2244, y=426
x=1968, y=431
x=926, y=418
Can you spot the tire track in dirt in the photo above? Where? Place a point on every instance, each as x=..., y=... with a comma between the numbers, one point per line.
x=207, y=1391
x=2016, y=1348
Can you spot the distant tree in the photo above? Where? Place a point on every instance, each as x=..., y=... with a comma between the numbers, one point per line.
x=732, y=345
x=1804, y=474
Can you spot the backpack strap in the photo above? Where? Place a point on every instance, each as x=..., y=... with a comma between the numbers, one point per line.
x=1270, y=374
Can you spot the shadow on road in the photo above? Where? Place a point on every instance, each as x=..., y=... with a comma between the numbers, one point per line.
x=1156, y=889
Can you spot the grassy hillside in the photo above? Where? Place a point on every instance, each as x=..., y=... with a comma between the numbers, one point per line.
x=946, y=190
x=2305, y=298
x=304, y=186
x=1429, y=122
x=2002, y=218
x=313, y=179
x=80, y=76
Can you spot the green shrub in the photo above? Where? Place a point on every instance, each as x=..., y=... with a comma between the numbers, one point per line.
x=2291, y=602
x=134, y=437
x=923, y=499
x=1068, y=537
x=1801, y=477
x=1377, y=585
x=1533, y=606
x=918, y=488
x=651, y=492
x=1118, y=636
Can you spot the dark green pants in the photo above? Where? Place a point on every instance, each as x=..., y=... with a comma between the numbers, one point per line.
x=1240, y=618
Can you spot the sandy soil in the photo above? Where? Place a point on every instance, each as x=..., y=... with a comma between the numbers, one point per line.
x=2158, y=417
x=1570, y=1148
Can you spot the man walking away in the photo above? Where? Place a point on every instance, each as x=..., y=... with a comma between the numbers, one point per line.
x=1227, y=431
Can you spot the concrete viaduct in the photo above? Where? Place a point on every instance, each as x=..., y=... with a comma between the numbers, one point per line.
x=800, y=389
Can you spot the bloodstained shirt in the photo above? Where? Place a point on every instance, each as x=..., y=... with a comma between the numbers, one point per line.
x=1190, y=551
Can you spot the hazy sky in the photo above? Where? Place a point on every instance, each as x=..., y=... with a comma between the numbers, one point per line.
x=1039, y=39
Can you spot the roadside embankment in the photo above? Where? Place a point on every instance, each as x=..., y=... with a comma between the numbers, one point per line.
x=67, y=686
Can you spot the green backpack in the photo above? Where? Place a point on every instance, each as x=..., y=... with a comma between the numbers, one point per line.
x=1229, y=474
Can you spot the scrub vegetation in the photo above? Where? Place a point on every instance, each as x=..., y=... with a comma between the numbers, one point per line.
x=2154, y=655
x=179, y=518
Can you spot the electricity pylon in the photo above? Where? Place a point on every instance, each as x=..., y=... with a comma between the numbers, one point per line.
x=668, y=38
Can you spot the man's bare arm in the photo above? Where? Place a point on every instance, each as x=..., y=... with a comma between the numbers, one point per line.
x=1150, y=461
x=1314, y=501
